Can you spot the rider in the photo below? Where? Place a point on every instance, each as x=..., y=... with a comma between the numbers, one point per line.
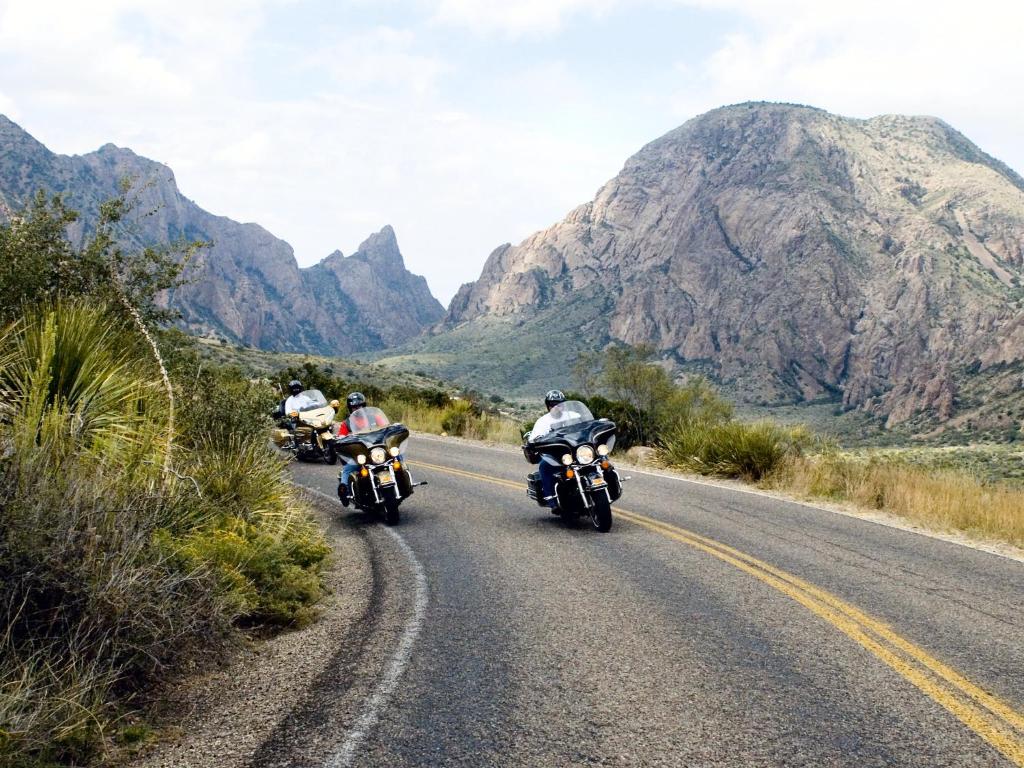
x=297, y=400
x=557, y=413
x=358, y=421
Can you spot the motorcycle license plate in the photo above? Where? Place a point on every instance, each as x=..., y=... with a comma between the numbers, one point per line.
x=383, y=477
x=598, y=482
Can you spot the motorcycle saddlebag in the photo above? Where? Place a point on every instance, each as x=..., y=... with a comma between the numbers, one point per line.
x=280, y=437
x=531, y=455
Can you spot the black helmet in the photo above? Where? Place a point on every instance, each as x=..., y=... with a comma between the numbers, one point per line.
x=553, y=398
x=295, y=386
x=356, y=401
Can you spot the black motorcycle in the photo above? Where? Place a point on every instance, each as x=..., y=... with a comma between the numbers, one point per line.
x=306, y=431
x=576, y=450
x=375, y=478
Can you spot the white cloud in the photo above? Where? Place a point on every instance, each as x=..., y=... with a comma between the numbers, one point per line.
x=8, y=107
x=515, y=17
x=373, y=124
x=874, y=57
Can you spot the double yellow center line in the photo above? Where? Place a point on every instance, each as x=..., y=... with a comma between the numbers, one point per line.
x=993, y=720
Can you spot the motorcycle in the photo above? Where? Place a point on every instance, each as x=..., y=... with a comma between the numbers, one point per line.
x=306, y=432
x=374, y=454
x=576, y=450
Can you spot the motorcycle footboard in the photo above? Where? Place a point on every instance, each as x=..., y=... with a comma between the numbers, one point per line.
x=614, y=484
x=404, y=480
x=535, y=489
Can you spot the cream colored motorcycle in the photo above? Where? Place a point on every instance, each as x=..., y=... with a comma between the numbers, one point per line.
x=306, y=432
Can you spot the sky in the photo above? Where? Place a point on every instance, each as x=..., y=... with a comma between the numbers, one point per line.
x=466, y=124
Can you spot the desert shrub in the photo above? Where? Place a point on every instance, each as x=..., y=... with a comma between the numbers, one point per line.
x=730, y=449
x=39, y=263
x=458, y=417
x=626, y=385
x=92, y=608
x=218, y=404
x=266, y=576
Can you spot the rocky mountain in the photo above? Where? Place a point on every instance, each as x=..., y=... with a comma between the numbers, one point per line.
x=247, y=286
x=790, y=254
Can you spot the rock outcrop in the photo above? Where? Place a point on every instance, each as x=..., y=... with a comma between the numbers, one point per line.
x=792, y=255
x=247, y=286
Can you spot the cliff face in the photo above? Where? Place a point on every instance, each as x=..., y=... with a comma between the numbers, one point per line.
x=247, y=286
x=792, y=255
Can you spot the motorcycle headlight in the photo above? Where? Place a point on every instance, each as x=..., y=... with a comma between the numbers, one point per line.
x=567, y=459
x=361, y=458
x=378, y=455
x=584, y=454
x=602, y=450
x=393, y=450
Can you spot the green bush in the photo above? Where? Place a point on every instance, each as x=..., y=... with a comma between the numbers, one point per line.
x=731, y=449
x=458, y=417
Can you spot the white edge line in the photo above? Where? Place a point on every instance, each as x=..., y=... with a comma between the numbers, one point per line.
x=887, y=520
x=378, y=701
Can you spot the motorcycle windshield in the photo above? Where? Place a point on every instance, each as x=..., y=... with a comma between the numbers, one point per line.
x=365, y=420
x=310, y=400
x=567, y=414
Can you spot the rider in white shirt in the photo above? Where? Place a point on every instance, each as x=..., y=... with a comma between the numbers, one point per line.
x=298, y=400
x=557, y=413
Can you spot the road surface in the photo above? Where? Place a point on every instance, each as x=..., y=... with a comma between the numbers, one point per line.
x=710, y=627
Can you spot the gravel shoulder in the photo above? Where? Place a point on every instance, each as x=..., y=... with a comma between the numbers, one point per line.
x=222, y=718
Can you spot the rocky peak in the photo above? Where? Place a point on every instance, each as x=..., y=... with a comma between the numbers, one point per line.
x=381, y=249
x=790, y=254
x=247, y=286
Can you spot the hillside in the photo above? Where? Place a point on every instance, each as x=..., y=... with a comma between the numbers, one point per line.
x=247, y=286
x=792, y=255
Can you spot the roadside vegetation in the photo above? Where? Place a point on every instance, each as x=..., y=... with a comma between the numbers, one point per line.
x=143, y=523
x=976, y=491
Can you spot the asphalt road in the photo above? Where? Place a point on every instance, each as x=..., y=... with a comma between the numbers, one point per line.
x=710, y=627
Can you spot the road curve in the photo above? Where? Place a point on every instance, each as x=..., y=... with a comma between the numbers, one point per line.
x=708, y=628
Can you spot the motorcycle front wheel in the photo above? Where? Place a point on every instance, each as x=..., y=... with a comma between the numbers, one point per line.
x=601, y=514
x=391, y=512
x=330, y=455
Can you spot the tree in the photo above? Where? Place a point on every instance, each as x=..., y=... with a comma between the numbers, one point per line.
x=38, y=262
x=629, y=385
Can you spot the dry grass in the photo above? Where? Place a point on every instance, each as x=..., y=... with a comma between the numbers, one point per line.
x=944, y=500
x=458, y=419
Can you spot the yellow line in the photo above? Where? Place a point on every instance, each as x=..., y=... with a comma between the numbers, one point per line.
x=980, y=711
x=934, y=665
x=999, y=734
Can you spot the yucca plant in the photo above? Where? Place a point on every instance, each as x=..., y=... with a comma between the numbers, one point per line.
x=74, y=380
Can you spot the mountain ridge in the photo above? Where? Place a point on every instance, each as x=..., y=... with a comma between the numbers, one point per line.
x=247, y=287
x=790, y=254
